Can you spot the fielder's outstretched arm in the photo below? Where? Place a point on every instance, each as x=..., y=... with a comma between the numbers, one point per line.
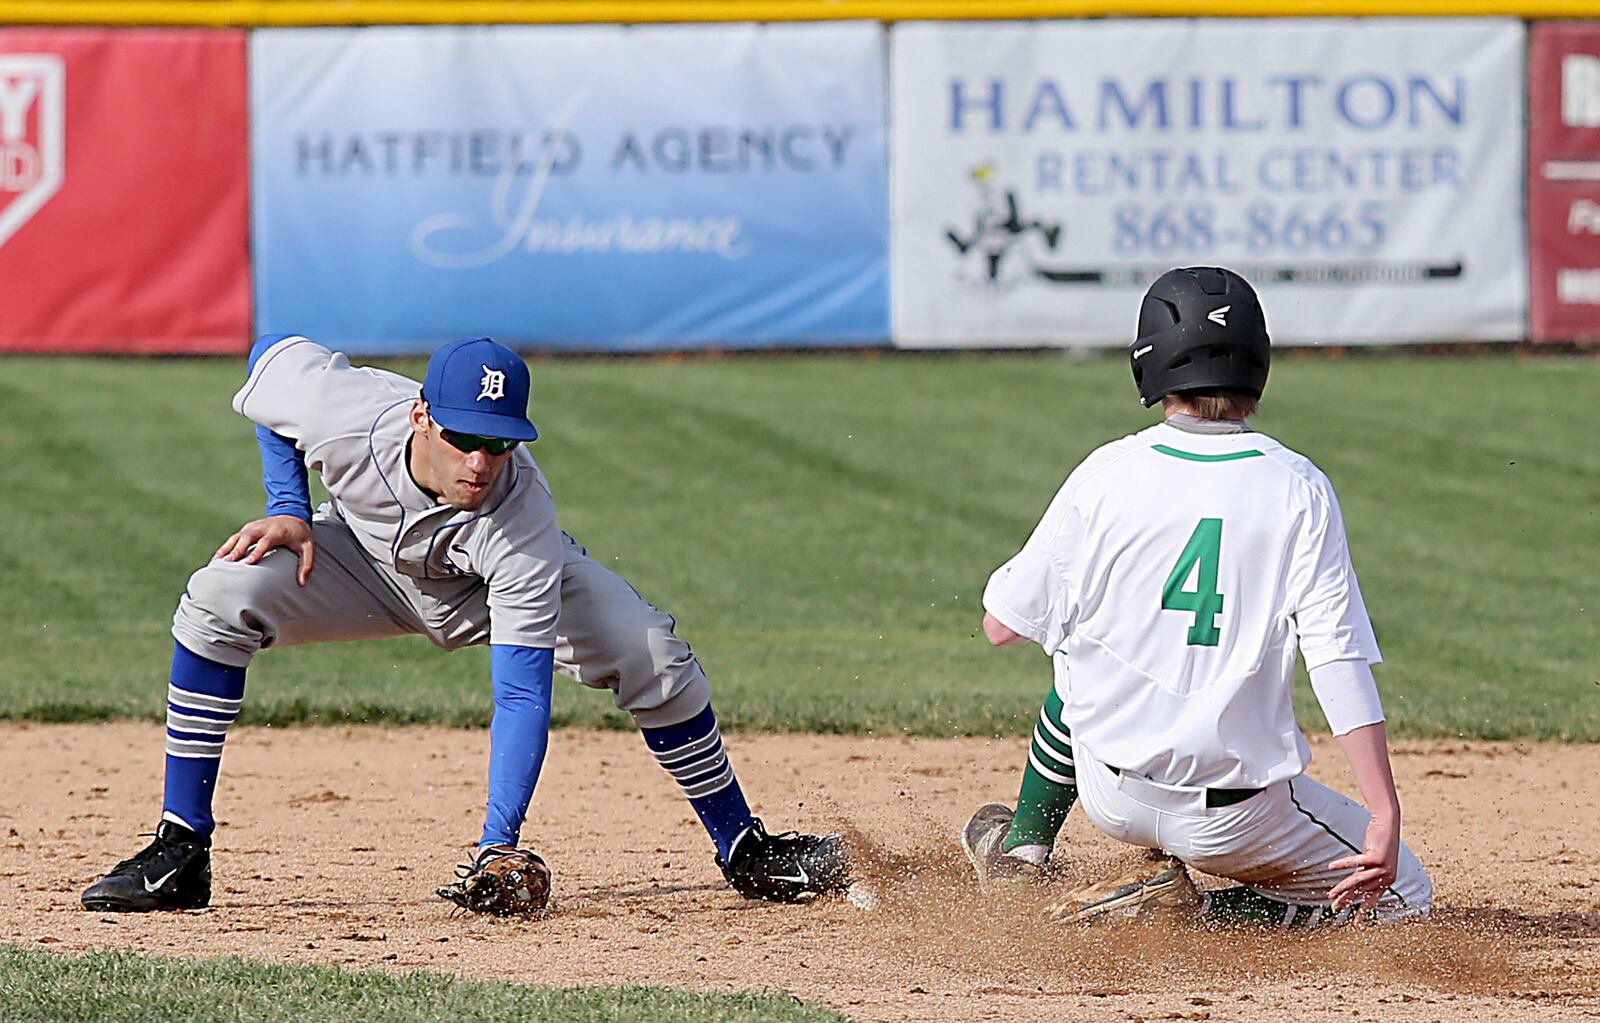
x=519, y=734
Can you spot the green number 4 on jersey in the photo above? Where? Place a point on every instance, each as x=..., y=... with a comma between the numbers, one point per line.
x=1204, y=602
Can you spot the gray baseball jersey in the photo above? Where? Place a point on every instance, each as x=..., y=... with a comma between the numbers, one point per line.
x=352, y=426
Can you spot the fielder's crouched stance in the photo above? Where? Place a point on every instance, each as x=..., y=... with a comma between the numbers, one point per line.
x=440, y=523
x=1171, y=580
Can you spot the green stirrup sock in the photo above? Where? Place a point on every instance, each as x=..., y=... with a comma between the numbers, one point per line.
x=1049, y=786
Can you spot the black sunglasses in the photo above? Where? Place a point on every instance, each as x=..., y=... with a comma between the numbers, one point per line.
x=470, y=442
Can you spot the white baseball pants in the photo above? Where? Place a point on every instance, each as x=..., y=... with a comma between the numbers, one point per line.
x=1278, y=842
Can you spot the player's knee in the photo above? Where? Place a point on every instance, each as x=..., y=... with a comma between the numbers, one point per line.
x=650, y=650
x=218, y=588
x=686, y=696
x=232, y=596
x=659, y=676
x=206, y=592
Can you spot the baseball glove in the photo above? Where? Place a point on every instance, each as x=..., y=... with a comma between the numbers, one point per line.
x=502, y=881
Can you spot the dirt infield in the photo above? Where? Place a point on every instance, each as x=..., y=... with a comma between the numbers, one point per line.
x=332, y=840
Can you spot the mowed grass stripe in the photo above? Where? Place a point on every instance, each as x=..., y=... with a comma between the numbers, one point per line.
x=822, y=526
x=121, y=987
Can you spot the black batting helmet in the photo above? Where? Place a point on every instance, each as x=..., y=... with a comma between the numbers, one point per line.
x=1201, y=328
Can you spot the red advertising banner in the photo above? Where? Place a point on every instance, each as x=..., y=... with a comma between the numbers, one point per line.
x=124, y=191
x=1564, y=180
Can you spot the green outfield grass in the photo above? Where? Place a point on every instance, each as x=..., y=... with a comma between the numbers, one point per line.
x=822, y=526
x=120, y=987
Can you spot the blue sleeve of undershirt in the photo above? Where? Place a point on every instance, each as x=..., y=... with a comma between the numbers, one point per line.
x=519, y=733
x=283, y=474
x=283, y=471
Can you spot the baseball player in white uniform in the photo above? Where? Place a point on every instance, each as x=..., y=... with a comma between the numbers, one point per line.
x=1171, y=581
x=440, y=523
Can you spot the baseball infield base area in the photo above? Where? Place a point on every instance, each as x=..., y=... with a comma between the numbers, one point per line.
x=333, y=839
x=822, y=528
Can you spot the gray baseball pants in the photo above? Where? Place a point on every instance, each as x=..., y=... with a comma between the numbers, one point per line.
x=607, y=635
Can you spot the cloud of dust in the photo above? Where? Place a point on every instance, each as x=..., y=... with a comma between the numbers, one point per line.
x=932, y=917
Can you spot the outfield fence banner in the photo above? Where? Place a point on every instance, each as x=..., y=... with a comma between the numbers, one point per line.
x=1366, y=174
x=596, y=187
x=124, y=191
x=1564, y=180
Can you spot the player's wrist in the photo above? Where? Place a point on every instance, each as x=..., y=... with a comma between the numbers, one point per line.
x=1385, y=816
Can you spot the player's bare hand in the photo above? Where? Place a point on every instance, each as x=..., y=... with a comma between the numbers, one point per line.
x=1374, y=868
x=254, y=539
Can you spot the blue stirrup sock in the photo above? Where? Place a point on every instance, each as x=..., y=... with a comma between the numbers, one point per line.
x=203, y=698
x=692, y=753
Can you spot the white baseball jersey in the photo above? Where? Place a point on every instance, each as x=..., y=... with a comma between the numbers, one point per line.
x=352, y=426
x=1171, y=579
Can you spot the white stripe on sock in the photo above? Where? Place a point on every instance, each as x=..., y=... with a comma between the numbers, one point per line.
x=667, y=756
x=1059, y=779
x=711, y=785
x=711, y=763
x=185, y=723
x=1063, y=763
x=201, y=701
x=193, y=750
x=1052, y=758
x=1056, y=733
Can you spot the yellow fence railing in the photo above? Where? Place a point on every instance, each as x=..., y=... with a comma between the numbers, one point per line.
x=411, y=12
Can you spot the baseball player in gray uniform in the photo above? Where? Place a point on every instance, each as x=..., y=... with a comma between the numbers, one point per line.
x=1171, y=581
x=440, y=523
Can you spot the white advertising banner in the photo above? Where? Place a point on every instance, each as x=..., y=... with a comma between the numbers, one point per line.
x=1365, y=174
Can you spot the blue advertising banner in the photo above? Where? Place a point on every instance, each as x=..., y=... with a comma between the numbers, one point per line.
x=593, y=187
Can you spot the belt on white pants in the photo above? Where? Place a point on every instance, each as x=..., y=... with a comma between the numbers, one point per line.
x=1190, y=800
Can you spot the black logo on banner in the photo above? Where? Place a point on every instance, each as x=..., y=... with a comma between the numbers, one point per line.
x=999, y=231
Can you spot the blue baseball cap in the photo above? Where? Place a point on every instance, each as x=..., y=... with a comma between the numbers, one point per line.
x=478, y=386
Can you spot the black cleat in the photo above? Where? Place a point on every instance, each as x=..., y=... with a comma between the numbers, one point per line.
x=790, y=867
x=173, y=872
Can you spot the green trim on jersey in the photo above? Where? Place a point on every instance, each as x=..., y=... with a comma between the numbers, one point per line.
x=1191, y=456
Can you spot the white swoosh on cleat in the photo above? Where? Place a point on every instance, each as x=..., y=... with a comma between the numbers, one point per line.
x=803, y=877
x=151, y=887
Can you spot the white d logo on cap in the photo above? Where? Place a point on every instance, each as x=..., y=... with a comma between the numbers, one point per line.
x=493, y=384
